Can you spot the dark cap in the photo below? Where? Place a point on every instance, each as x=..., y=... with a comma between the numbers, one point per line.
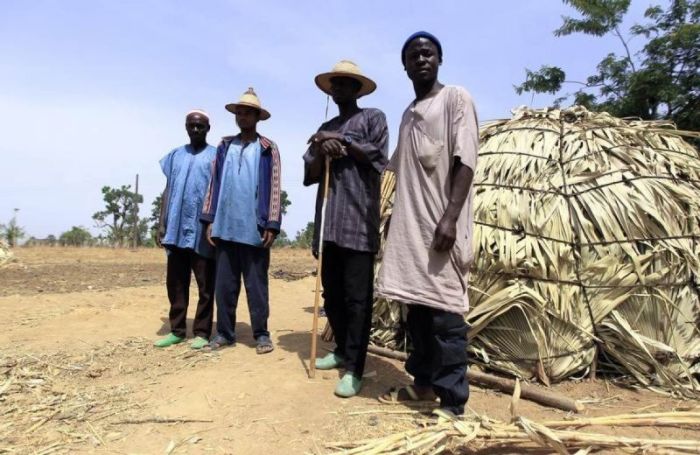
x=425, y=35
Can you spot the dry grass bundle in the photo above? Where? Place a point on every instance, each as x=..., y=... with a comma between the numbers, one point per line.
x=5, y=254
x=481, y=432
x=586, y=247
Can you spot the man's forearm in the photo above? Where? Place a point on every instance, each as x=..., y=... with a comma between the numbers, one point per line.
x=315, y=166
x=163, y=208
x=462, y=177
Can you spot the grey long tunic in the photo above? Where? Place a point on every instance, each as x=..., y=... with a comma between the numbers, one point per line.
x=434, y=131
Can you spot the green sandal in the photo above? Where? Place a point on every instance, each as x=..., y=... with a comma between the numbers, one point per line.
x=169, y=340
x=199, y=343
x=330, y=361
x=348, y=386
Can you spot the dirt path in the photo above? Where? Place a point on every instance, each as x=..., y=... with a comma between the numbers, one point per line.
x=83, y=374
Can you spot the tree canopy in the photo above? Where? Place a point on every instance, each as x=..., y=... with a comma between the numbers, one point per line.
x=661, y=81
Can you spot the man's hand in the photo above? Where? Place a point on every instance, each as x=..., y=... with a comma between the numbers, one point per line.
x=333, y=148
x=445, y=234
x=160, y=235
x=328, y=143
x=268, y=238
x=209, y=239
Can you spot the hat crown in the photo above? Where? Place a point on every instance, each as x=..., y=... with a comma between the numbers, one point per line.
x=250, y=98
x=347, y=66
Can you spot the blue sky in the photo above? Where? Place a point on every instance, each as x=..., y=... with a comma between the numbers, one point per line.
x=94, y=92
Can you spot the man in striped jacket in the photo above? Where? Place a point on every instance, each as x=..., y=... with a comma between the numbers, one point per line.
x=243, y=215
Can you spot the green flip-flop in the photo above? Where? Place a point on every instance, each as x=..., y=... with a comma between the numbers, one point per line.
x=199, y=343
x=169, y=340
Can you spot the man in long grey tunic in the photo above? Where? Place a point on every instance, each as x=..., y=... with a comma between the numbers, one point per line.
x=356, y=141
x=428, y=250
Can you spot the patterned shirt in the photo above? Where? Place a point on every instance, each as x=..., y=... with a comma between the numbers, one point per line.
x=352, y=209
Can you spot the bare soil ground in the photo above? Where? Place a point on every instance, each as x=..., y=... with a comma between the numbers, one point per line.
x=78, y=373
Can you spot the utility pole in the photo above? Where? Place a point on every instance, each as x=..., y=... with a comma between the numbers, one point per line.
x=136, y=212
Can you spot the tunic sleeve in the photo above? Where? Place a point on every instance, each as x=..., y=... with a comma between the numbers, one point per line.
x=377, y=144
x=465, y=129
x=166, y=164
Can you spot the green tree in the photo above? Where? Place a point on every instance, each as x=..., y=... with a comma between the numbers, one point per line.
x=77, y=236
x=120, y=214
x=284, y=202
x=305, y=237
x=12, y=232
x=282, y=239
x=662, y=81
x=155, y=217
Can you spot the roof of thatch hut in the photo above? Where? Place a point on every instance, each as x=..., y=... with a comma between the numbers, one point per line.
x=586, y=247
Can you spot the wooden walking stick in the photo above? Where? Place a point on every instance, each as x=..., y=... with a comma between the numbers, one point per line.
x=317, y=298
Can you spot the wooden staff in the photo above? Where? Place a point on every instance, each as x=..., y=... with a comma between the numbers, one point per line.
x=317, y=298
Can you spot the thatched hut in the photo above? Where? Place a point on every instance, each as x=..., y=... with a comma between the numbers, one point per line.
x=587, y=250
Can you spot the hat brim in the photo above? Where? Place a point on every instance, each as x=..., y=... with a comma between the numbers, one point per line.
x=323, y=81
x=231, y=107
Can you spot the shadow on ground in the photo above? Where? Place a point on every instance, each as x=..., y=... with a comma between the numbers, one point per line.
x=380, y=373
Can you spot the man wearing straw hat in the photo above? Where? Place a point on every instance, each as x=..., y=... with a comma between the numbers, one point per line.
x=187, y=170
x=243, y=215
x=428, y=249
x=356, y=141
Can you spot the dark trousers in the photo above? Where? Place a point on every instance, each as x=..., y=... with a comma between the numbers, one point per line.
x=233, y=260
x=439, y=356
x=181, y=264
x=347, y=277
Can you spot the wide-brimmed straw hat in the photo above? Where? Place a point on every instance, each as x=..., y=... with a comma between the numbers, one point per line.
x=345, y=68
x=249, y=99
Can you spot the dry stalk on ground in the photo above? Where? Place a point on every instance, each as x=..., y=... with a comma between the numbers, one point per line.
x=479, y=432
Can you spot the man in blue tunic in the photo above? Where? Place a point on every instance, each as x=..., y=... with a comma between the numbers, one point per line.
x=243, y=213
x=188, y=171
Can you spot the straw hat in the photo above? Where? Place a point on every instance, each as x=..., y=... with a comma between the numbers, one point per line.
x=250, y=99
x=345, y=68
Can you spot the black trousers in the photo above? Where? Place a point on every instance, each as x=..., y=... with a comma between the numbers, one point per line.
x=181, y=264
x=347, y=277
x=439, y=356
x=234, y=260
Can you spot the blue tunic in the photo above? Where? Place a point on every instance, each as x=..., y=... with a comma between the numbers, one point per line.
x=236, y=212
x=188, y=176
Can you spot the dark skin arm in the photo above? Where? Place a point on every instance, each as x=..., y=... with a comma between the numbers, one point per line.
x=333, y=143
x=268, y=238
x=446, y=231
x=329, y=143
x=161, y=218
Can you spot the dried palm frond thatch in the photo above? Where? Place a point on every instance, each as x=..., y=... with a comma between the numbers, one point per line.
x=587, y=248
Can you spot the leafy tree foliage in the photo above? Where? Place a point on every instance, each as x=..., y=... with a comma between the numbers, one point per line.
x=305, y=237
x=12, y=232
x=77, y=236
x=662, y=81
x=284, y=202
x=119, y=216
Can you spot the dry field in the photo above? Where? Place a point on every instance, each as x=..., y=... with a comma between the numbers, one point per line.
x=78, y=373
